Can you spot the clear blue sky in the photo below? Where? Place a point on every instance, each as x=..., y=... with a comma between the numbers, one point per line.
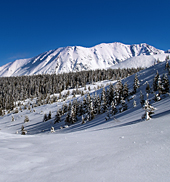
x=30, y=27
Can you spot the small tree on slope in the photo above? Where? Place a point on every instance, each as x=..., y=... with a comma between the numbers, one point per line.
x=148, y=110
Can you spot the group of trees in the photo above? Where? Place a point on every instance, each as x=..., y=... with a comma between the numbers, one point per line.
x=14, y=89
x=111, y=100
x=114, y=99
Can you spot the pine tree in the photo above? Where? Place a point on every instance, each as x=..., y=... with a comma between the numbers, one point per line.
x=73, y=117
x=52, y=129
x=12, y=119
x=91, y=111
x=149, y=110
x=134, y=103
x=135, y=84
x=111, y=94
x=147, y=88
x=160, y=87
x=125, y=90
x=119, y=90
x=104, y=101
x=82, y=122
x=113, y=107
x=23, y=131
x=165, y=84
x=124, y=105
x=57, y=117
x=157, y=97
x=26, y=119
x=166, y=65
x=98, y=105
x=45, y=117
x=49, y=115
x=67, y=119
x=155, y=82
x=142, y=101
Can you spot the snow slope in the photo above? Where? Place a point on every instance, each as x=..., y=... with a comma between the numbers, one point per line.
x=77, y=58
x=143, y=61
x=124, y=148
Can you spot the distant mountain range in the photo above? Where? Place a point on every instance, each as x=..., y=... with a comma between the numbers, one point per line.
x=77, y=58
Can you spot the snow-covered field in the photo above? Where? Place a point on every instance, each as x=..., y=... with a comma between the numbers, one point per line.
x=121, y=149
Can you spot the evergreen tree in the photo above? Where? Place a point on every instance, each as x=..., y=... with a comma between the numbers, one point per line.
x=119, y=90
x=134, y=103
x=67, y=119
x=45, y=117
x=113, y=107
x=142, y=101
x=104, y=101
x=49, y=115
x=124, y=105
x=147, y=88
x=23, y=131
x=12, y=119
x=57, y=117
x=155, y=82
x=165, y=84
x=135, y=84
x=157, y=97
x=73, y=117
x=98, y=105
x=160, y=87
x=111, y=94
x=125, y=90
x=82, y=122
x=91, y=111
x=149, y=110
x=26, y=119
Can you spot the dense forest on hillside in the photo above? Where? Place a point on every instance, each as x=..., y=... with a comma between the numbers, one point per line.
x=14, y=89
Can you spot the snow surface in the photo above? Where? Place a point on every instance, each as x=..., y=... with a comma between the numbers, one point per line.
x=77, y=58
x=121, y=149
x=143, y=61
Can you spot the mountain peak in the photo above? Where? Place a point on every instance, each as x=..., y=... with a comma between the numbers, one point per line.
x=77, y=58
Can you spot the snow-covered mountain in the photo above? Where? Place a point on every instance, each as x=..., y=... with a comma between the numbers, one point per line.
x=77, y=58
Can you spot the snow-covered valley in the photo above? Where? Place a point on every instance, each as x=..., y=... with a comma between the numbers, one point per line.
x=122, y=148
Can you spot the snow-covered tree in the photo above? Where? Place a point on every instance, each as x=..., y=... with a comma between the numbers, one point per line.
x=125, y=90
x=73, y=117
x=52, y=129
x=104, y=101
x=155, y=82
x=57, y=117
x=160, y=87
x=136, y=83
x=12, y=119
x=147, y=88
x=49, y=115
x=113, y=108
x=23, y=131
x=165, y=84
x=26, y=119
x=157, y=97
x=45, y=117
x=149, y=110
x=142, y=101
x=82, y=120
x=124, y=105
x=134, y=103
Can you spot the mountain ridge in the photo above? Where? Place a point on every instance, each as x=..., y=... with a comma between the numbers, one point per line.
x=77, y=58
